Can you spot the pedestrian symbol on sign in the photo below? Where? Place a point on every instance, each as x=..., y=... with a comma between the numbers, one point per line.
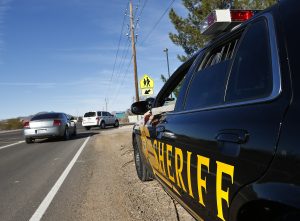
x=146, y=82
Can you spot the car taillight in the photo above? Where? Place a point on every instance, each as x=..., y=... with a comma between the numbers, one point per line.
x=56, y=122
x=26, y=125
x=97, y=118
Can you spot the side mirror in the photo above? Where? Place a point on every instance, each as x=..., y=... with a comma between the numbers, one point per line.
x=139, y=108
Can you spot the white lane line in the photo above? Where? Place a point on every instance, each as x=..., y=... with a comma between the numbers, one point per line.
x=48, y=199
x=13, y=144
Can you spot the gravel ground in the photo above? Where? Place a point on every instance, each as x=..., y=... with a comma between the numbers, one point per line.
x=114, y=191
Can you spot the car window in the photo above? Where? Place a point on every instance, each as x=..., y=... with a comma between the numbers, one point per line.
x=90, y=114
x=171, y=96
x=99, y=113
x=46, y=116
x=251, y=73
x=207, y=87
x=104, y=114
x=65, y=117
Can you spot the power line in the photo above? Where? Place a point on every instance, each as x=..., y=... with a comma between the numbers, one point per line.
x=158, y=21
x=118, y=50
x=123, y=79
x=121, y=33
x=123, y=59
x=138, y=19
x=142, y=9
x=136, y=9
x=118, y=82
x=134, y=25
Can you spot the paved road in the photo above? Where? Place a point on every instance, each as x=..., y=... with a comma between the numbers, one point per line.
x=10, y=137
x=29, y=171
x=91, y=177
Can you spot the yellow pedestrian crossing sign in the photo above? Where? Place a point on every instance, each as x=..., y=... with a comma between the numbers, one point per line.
x=146, y=82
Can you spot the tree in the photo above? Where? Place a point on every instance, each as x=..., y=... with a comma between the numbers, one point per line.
x=188, y=35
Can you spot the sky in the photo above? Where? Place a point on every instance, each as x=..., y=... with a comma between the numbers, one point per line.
x=63, y=55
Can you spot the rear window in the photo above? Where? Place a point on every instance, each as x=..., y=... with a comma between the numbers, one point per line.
x=90, y=114
x=251, y=72
x=46, y=116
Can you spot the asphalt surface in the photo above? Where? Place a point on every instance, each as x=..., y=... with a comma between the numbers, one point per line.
x=89, y=177
x=10, y=137
x=29, y=171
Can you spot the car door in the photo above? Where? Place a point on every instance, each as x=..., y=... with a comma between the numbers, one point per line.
x=154, y=148
x=111, y=118
x=224, y=135
x=106, y=117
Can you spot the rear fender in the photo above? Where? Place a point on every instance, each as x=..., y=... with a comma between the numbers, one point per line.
x=265, y=201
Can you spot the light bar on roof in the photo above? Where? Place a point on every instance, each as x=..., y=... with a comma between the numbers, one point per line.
x=221, y=20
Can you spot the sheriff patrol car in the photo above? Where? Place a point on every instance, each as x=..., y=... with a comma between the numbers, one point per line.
x=226, y=146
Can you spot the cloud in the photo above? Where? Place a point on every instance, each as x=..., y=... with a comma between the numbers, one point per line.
x=101, y=78
x=17, y=84
x=91, y=49
x=81, y=57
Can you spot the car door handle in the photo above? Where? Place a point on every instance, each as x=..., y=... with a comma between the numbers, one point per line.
x=169, y=135
x=233, y=136
x=161, y=132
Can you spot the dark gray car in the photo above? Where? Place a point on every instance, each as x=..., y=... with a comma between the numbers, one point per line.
x=48, y=125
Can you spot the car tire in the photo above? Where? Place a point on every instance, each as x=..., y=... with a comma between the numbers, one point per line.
x=116, y=123
x=102, y=125
x=75, y=131
x=141, y=169
x=66, y=134
x=87, y=128
x=29, y=140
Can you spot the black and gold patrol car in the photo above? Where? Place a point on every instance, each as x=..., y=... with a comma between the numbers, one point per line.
x=222, y=134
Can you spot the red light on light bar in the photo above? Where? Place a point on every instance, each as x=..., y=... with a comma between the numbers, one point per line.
x=221, y=20
x=241, y=15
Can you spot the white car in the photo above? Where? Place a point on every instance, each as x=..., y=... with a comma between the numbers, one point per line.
x=99, y=119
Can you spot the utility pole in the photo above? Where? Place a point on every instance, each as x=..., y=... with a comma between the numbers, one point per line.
x=106, y=101
x=133, y=52
x=166, y=50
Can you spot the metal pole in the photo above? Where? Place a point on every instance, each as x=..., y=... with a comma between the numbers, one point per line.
x=106, y=101
x=133, y=52
x=166, y=50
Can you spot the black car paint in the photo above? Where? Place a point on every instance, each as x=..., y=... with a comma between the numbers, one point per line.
x=266, y=160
